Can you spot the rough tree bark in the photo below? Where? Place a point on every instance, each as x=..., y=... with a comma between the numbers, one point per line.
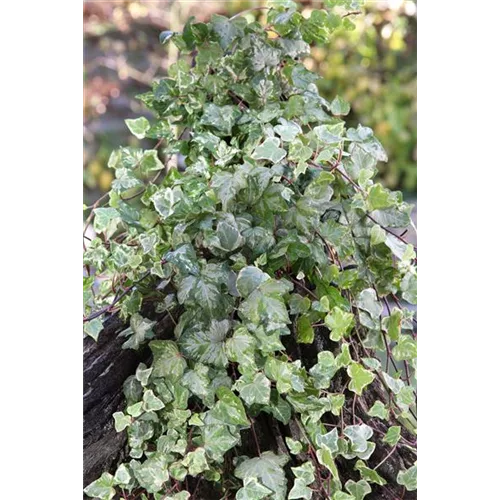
x=107, y=365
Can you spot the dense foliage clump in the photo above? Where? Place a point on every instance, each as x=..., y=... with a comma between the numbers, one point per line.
x=259, y=231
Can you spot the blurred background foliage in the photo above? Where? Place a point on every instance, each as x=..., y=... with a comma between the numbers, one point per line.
x=373, y=67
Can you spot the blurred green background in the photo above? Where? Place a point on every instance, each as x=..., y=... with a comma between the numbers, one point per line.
x=373, y=67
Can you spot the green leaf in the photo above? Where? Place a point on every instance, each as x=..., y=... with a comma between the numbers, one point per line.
x=295, y=447
x=379, y=410
x=268, y=470
x=360, y=378
x=300, y=490
x=305, y=332
x=122, y=421
x=358, y=490
x=392, y=435
x=269, y=150
x=406, y=349
x=359, y=435
x=229, y=408
x=167, y=360
x=252, y=490
x=151, y=402
x=101, y=488
x=367, y=300
x=93, y=328
x=339, y=106
x=196, y=462
x=408, y=478
x=206, y=345
x=139, y=127
x=339, y=322
x=368, y=474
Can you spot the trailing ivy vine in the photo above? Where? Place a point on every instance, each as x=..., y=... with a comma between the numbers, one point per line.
x=259, y=231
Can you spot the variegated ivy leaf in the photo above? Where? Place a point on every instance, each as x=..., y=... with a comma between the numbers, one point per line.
x=229, y=409
x=218, y=439
x=122, y=421
x=394, y=384
x=294, y=446
x=288, y=130
x=196, y=462
x=269, y=150
x=152, y=473
x=405, y=349
x=252, y=490
x=140, y=330
x=268, y=470
x=93, y=328
x=151, y=402
x=339, y=106
x=101, y=488
x=106, y=220
x=167, y=360
x=323, y=371
x=122, y=475
x=328, y=440
x=256, y=389
x=392, y=435
x=360, y=378
x=358, y=489
x=393, y=323
x=300, y=490
x=368, y=301
x=142, y=374
x=205, y=344
x=339, y=322
x=359, y=435
x=139, y=127
x=340, y=495
x=408, y=478
x=306, y=472
x=368, y=474
x=379, y=410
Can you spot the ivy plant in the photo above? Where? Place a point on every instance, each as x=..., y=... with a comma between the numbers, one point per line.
x=254, y=223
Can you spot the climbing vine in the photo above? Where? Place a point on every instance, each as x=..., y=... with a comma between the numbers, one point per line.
x=255, y=226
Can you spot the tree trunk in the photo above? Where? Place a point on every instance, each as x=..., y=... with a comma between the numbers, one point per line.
x=107, y=365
